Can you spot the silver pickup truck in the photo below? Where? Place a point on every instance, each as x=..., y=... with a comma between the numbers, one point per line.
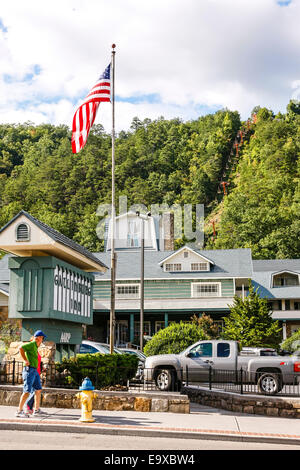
x=270, y=373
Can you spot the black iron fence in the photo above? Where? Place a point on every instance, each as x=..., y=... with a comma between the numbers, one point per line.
x=245, y=382
x=235, y=381
x=11, y=373
x=55, y=376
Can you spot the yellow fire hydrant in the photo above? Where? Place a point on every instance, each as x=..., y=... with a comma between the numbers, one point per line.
x=86, y=397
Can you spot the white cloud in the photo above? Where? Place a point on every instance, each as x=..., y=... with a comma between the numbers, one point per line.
x=209, y=52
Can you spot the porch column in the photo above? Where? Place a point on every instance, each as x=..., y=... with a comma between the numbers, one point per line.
x=131, y=330
x=166, y=320
x=284, y=330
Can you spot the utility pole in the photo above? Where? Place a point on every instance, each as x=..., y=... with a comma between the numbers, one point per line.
x=143, y=218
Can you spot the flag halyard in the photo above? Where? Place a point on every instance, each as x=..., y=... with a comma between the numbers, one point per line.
x=85, y=115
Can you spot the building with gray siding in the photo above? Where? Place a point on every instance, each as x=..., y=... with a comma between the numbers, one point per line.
x=178, y=284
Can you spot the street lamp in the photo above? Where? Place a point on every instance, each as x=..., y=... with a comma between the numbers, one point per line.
x=143, y=218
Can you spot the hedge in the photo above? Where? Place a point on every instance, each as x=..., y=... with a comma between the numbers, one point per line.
x=174, y=339
x=103, y=369
x=292, y=344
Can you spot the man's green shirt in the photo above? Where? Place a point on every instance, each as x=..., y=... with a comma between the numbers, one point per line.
x=31, y=352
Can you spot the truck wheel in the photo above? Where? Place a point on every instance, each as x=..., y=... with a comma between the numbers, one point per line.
x=269, y=384
x=164, y=380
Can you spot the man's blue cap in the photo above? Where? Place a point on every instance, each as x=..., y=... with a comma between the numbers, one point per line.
x=39, y=333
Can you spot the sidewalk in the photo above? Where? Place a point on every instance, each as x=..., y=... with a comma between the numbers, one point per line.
x=201, y=423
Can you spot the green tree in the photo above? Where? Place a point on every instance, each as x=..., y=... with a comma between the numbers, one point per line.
x=174, y=339
x=10, y=330
x=250, y=322
x=262, y=207
x=206, y=323
x=292, y=344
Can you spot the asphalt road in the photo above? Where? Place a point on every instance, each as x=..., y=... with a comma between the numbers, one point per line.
x=29, y=440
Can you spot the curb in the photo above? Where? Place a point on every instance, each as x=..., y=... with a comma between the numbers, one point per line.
x=96, y=428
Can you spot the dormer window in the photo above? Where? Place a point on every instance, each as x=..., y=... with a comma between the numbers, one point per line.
x=171, y=267
x=186, y=260
x=285, y=280
x=199, y=267
x=22, y=233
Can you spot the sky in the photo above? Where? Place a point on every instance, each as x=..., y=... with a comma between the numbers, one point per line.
x=174, y=59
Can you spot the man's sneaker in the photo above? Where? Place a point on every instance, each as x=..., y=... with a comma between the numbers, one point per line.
x=38, y=413
x=22, y=414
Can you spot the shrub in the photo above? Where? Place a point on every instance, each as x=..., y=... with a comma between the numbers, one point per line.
x=206, y=323
x=292, y=344
x=102, y=369
x=174, y=339
x=10, y=330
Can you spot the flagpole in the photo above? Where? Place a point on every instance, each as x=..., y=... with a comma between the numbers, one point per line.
x=113, y=254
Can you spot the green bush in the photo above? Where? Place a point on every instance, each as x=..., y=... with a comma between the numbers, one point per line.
x=102, y=369
x=292, y=344
x=174, y=339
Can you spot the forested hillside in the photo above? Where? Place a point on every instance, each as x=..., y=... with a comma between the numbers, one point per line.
x=262, y=208
x=156, y=162
x=164, y=161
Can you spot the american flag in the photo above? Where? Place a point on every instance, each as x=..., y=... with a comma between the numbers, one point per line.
x=85, y=115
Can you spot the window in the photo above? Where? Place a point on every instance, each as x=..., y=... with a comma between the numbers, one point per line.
x=223, y=350
x=127, y=291
x=147, y=330
x=22, y=233
x=172, y=267
x=295, y=329
x=202, y=289
x=185, y=254
x=199, y=267
x=133, y=234
x=201, y=350
x=286, y=280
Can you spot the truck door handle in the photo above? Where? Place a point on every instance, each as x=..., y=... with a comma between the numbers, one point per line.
x=208, y=361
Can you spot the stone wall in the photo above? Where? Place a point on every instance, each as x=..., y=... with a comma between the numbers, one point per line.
x=251, y=404
x=113, y=401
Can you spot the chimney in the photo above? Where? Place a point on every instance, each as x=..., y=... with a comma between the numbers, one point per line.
x=167, y=231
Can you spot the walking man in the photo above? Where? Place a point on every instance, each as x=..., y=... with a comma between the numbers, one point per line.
x=31, y=378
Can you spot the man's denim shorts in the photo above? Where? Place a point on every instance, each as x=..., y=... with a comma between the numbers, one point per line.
x=31, y=380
